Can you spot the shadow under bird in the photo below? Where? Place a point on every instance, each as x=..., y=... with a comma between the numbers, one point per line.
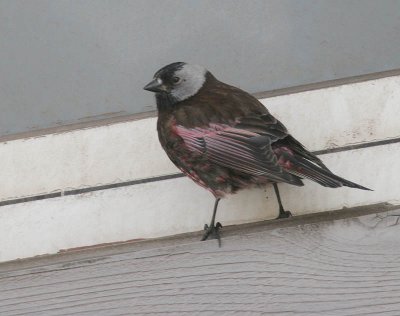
x=225, y=140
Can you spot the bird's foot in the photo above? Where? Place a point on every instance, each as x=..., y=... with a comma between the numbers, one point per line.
x=212, y=232
x=284, y=214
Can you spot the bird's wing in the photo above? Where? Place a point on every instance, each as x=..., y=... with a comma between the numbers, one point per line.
x=291, y=154
x=238, y=148
x=268, y=125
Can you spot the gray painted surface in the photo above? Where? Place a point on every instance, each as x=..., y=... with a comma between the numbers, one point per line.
x=64, y=61
x=309, y=266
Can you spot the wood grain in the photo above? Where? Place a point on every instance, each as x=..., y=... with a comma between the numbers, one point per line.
x=334, y=267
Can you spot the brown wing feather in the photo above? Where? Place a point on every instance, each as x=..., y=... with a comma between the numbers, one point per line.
x=237, y=149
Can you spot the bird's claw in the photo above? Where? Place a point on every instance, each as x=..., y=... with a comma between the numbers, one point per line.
x=212, y=232
x=284, y=214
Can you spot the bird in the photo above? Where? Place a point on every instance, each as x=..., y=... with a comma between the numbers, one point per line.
x=225, y=140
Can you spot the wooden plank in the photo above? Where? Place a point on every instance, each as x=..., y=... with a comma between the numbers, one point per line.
x=344, y=266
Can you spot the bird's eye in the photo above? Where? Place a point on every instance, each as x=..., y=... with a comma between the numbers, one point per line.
x=176, y=79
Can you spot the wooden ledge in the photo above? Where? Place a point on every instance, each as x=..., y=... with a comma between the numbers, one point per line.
x=335, y=263
x=68, y=256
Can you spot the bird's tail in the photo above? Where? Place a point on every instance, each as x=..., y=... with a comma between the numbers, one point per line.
x=306, y=169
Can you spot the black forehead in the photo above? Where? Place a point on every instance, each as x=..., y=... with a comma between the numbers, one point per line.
x=169, y=69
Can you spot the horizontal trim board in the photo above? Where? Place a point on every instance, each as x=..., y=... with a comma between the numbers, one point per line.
x=258, y=95
x=328, y=84
x=176, y=175
x=170, y=207
x=324, y=121
x=78, y=126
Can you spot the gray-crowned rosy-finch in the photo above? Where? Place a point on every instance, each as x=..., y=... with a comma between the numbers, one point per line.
x=225, y=140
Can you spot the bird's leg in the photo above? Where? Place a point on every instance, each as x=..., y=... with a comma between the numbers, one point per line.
x=213, y=230
x=282, y=212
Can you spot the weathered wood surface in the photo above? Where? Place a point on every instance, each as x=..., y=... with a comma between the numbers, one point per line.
x=345, y=266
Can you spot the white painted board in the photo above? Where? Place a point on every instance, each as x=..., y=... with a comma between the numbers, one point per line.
x=324, y=118
x=176, y=206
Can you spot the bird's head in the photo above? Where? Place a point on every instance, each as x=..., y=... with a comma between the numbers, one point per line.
x=178, y=81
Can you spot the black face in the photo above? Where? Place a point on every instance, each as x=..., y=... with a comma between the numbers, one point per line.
x=167, y=76
x=167, y=73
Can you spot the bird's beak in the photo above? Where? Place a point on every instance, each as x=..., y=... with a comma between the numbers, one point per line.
x=154, y=86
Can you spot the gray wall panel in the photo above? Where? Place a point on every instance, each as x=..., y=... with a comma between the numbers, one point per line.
x=64, y=61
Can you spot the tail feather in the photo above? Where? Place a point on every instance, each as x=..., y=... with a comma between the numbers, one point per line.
x=304, y=168
x=297, y=148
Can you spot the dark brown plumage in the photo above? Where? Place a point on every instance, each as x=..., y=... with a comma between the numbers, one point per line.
x=225, y=140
